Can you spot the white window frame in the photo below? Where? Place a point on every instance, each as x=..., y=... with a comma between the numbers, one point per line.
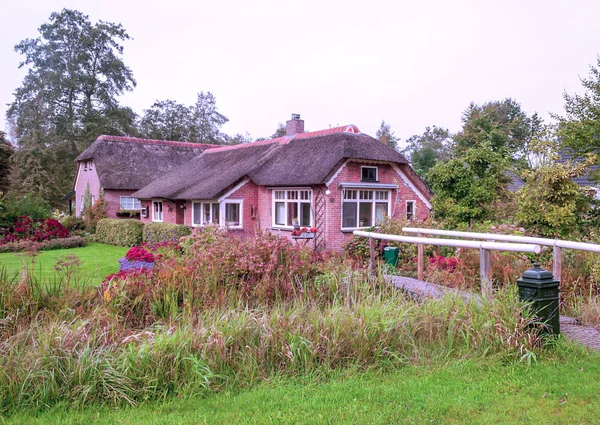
x=376, y=173
x=202, y=206
x=90, y=165
x=224, y=203
x=414, y=209
x=162, y=211
x=134, y=203
x=374, y=201
x=288, y=201
x=82, y=205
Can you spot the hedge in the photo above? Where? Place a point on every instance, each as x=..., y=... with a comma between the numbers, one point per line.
x=28, y=245
x=165, y=232
x=113, y=231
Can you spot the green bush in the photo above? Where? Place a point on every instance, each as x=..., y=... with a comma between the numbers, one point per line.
x=28, y=245
x=119, y=232
x=72, y=222
x=165, y=232
x=31, y=205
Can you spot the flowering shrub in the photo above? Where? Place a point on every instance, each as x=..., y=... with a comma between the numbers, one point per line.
x=444, y=263
x=24, y=228
x=137, y=253
x=358, y=247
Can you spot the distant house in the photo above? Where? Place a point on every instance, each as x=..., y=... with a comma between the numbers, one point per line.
x=336, y=180
x=586, y=181
x=118, y=166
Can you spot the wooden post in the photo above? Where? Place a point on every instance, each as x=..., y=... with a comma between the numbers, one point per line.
x=557, y=263
x=371, y=255
x=485, y=269
x=419, y=259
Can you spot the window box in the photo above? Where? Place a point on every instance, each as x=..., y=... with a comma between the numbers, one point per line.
x=128, y=213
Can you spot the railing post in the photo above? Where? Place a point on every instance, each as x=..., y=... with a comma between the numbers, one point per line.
x=485, y=269
x=419, y=259
x=557, y=263
x=371, y=254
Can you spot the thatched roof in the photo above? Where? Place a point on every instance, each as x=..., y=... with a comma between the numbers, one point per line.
x=131, y=163
x=301, y=159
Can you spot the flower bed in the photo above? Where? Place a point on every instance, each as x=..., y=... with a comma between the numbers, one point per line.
x=27, y=234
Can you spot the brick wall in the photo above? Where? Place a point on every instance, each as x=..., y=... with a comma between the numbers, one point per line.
x=175, y=215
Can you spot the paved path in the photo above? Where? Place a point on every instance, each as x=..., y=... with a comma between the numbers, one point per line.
x=570, y=327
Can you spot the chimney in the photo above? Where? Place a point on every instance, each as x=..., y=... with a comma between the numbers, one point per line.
x=294, y=126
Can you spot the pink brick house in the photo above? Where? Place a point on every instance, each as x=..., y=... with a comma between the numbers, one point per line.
x=118, y=166
x=336, y=180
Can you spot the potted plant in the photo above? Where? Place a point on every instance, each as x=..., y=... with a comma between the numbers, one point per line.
x=296, y=223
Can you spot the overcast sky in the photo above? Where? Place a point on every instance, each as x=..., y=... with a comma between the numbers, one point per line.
x=412, y=63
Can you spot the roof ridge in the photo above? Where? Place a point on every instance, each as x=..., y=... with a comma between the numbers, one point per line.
x=284, y=140
x=155, y=141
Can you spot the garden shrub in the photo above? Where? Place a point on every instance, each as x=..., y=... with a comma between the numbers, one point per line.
x=72, y=222
x=94, y=214
x=114, y=231
x=24, y=228
x=30, y=205
x=32, y=245
x=164, y=232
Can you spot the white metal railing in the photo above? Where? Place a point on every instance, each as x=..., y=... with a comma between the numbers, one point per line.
x=485, y=268
x=557, y=244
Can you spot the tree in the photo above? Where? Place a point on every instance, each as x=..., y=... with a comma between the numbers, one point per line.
x=427, y=149
x=6, y=151
x=550, y=202
x=386, y=136
x=67, y=99
x=206, y=120
x=466, y=188
x=579, y=128
x=502, y=125
x=167, y=120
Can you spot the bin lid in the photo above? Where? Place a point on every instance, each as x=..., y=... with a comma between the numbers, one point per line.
x=391, y=248
x=537, y=273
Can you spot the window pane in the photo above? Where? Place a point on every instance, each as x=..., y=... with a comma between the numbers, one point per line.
x=410, y=210
x=349, y=194
x=369, y=173
x=292, y=194
x=280, y=213
x=305, y=195
x=366, y=194
x=280, y=194
x=232, y=214
x=381, y=195
x=197, y=213
x=215, y=213
x=305, y=214
x=365, y=210
x=349, y=214
x=380, y=212
x=137, y=204
x=292, y=213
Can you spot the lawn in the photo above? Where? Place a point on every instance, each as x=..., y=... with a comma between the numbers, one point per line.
x=546, y=392
x=97, y=261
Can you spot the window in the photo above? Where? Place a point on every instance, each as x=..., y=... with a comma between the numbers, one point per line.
x=82, y=205
x=204, y=213
x=85, y=165
x=157, y=211
x=130, y=203
x=364, y=208
x=233, y=214
x=410, y=210
x=368, y=174
x=292, y=204
x=90, y=165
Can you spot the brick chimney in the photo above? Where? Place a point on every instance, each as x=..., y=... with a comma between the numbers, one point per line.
x=294, y=126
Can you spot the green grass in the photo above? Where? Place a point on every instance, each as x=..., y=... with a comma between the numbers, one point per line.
x=97, y=261
x=549, y=392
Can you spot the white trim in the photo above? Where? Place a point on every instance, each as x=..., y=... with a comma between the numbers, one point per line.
x=412, y=186
x=376, y=173
x=328, y=182
x=240, y=202
x=287, y=201
x=361, y=185
x=210, y=202
x=414, y=209
x=373, y=201
x=236, y=187
x=162, y=211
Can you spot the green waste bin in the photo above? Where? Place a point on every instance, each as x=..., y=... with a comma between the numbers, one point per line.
x=390, y=255
x=539, y=287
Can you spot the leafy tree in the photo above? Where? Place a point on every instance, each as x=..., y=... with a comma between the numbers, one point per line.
x=466, y=188
x=68, y=98
x=502, y=125
x=6, y=151
x=206, y=120
x=386, y=136
x=427, y=149
x=280, y=132
x=579, y=128
x=550, y=202
x=167, y=120
x=237, y=139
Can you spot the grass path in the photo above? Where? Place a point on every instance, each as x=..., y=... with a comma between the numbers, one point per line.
x=97, y=261
x=461, y=392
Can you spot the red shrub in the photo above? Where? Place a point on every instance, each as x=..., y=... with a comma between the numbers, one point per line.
x=138, y=253
x=24, y=228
